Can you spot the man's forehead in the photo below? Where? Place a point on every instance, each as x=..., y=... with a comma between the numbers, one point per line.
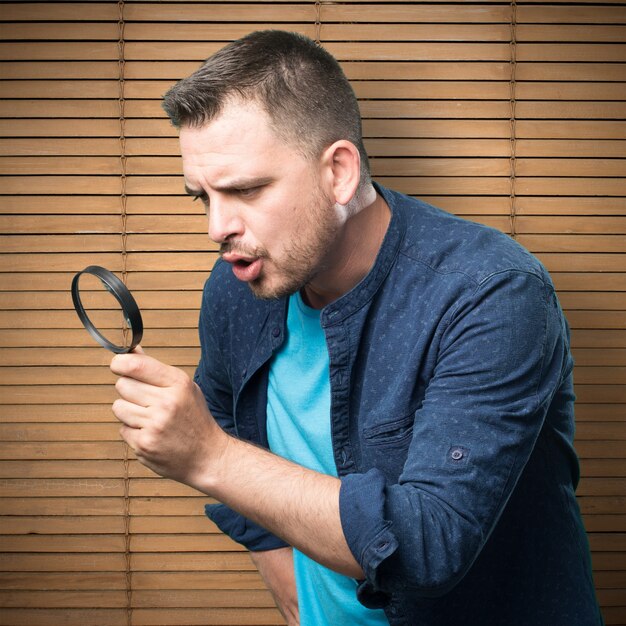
x=224, y=138
x=235, y=121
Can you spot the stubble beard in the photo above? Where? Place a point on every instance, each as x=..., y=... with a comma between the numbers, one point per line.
x=304, y=257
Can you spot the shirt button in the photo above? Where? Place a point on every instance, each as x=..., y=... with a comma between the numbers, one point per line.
x=457, y=454
x=275, y=331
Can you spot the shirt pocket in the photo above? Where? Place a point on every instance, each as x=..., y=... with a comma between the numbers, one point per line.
x=386, y=445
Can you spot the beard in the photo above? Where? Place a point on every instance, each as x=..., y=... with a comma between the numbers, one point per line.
x=302, y=258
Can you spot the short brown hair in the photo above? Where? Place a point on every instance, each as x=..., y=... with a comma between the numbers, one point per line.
x=301, y=87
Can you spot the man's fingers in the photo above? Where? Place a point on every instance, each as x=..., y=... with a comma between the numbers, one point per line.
x=137, y=392
x=130, y=414
x=144, y=368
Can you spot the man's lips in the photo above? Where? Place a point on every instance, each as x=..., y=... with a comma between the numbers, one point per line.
x=245, y=268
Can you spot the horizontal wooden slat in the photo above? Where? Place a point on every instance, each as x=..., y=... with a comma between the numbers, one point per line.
x=22, y=356
x=62, y=506
x=570, y=243
x=69, y=617
x=65, y=600
x=116, y=543
x=568, y=91
x=565, y=205
x=196, y=580
x=137, y=31
x=49, y=108
x=61, y=469
x=172, y=525
x=66, y=51
x=67, y=88
x=79, y=338
x=146, y=281
x=151, y=261
x=61, y=128
x=141, y=580
x=556, y=262
x=50, y=412
x=542, y=52
x=568, y=33
x=573, y=15
x=59, y=11
x=602, y=467
x=586, y=355
x=62, y=451
x=305, y=13
x=53, y=487
x=61, y=543
x=206, y=598
x=60, y=31
x=60, y=147
x=62, y=580
x=604, y=486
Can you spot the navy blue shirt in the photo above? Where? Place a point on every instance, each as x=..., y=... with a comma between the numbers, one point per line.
x=452, y=424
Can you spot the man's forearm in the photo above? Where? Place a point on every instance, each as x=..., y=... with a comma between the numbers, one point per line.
x=297, y=504
x=165, y=420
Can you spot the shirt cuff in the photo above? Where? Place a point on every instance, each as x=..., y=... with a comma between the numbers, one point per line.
x=368, y=534
x=242, y=530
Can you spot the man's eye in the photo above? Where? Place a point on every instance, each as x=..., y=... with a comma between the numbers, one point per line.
x=203, y=197
x=247, y=193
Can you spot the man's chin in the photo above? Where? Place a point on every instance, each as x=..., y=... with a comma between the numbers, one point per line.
x=263, y=290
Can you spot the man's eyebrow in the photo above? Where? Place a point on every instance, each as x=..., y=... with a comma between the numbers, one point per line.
x=232, y=185
x=243, y=183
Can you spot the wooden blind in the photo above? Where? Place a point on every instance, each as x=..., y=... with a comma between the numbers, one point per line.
x=512, y=114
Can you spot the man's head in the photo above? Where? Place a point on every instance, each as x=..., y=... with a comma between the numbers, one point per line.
x=270, y=139
x=301, y=87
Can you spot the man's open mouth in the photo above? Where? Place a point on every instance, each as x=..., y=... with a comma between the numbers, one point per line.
x=245, y=268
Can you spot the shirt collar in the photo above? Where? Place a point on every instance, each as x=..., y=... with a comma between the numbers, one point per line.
x=364, y=291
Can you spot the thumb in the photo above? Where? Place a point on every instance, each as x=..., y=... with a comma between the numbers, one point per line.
x=138, y=350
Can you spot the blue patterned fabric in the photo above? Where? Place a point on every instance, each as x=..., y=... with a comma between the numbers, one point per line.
x=452, y=424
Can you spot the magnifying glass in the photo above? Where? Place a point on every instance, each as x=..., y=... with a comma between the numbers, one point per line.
x=107, y=309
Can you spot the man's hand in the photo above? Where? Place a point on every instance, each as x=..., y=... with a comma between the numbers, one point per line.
x=276, y=568
x=168, y=425
x=165, y=418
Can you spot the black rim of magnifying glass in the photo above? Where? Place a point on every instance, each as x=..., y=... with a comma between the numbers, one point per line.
x=129, y=307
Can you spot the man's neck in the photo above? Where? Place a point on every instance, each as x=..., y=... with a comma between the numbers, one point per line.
x=353, y=255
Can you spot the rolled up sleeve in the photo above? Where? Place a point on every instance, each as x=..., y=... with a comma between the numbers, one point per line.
x=502, y=353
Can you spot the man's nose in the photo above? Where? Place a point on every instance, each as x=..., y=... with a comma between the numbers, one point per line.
x=224, y=220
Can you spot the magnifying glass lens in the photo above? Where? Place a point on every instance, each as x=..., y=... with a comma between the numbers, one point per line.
x=104, y=310
x=107, y=309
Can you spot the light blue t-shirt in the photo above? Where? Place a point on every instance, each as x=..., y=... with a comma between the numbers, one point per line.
x=298, y=428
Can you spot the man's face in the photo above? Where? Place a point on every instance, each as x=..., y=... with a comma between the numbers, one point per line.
x=267, y=207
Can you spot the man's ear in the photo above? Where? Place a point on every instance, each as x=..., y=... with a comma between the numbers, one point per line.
x=342, y=163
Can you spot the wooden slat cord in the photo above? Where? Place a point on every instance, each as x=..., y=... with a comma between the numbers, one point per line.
x=318, y=22
x=122, y=136
x=123, y=234
x=513, y=64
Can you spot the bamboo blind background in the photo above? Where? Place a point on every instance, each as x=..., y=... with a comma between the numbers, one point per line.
x=511, y=114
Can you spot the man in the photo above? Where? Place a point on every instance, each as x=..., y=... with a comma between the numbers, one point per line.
x=409, y=371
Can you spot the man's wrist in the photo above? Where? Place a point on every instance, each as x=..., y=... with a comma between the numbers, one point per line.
x=210, y=469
